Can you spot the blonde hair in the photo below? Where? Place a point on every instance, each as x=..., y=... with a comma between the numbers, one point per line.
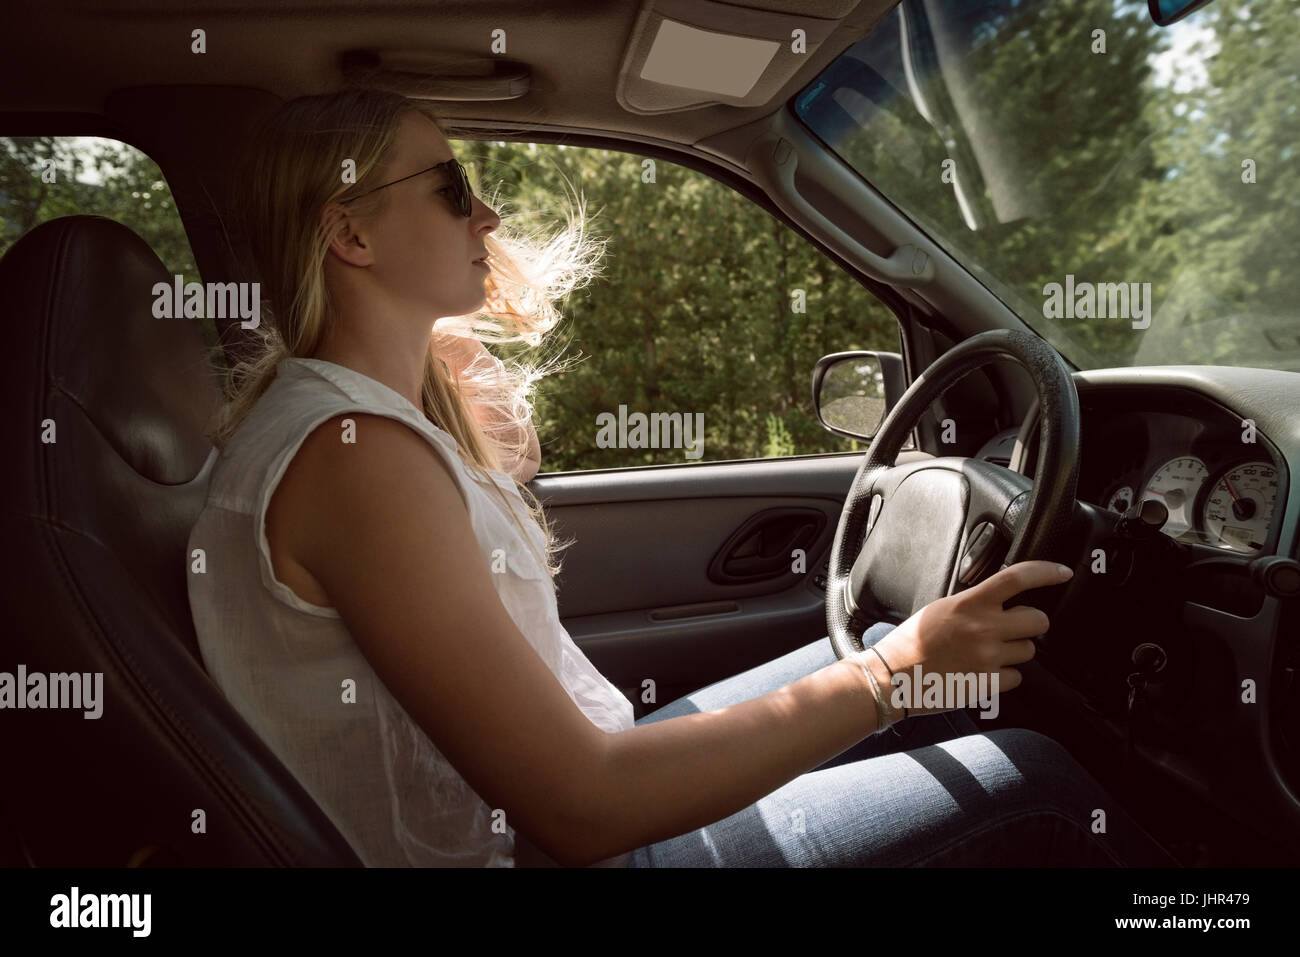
x=290, y=174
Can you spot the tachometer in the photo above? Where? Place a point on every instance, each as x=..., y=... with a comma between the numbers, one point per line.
x=1175, y=484
x=1121, y=500
x=1240, y=506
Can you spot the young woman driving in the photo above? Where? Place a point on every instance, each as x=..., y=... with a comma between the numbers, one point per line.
x=378, y=600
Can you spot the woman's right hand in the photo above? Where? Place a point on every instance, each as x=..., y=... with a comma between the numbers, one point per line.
x=969, y=633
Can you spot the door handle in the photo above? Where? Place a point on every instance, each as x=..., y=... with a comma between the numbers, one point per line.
x=762, y=547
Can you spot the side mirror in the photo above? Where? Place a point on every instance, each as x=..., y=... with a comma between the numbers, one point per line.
x=854, y=391
x=1165, y=12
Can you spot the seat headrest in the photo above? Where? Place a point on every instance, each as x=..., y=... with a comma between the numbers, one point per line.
x=78, y=293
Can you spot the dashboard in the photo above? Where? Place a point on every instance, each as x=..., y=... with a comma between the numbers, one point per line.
x=1218, y=447
x=1220, y=479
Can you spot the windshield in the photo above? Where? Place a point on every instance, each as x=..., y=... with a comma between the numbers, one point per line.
x=1132, y=192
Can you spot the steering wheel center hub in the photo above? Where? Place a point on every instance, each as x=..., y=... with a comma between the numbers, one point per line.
x=907, y=559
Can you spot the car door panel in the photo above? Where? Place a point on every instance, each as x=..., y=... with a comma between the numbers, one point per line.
x=636, y=594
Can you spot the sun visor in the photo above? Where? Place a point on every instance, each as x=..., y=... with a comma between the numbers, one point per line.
x=686, y=54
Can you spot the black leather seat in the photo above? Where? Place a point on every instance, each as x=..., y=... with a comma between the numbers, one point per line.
x=95, y=526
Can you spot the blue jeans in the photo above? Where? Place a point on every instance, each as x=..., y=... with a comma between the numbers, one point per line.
x=929, y=791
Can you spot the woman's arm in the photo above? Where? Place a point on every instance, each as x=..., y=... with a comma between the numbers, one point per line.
x=381, y=525
x=431, y=623
x=460, y=354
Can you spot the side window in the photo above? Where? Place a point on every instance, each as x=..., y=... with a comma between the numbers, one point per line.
x=709, y=312
x=46, y=177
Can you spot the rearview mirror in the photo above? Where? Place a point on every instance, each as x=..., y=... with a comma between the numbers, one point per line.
x=1165, y=12
x=854, y=391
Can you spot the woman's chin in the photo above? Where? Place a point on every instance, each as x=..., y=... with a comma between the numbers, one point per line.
x=472, y=304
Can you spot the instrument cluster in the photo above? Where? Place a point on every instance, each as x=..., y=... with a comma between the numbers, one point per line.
x=1217, y=478
x=1231, y=507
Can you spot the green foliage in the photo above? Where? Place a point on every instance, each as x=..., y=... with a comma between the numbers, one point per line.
x=692, y=313
x=779, y=443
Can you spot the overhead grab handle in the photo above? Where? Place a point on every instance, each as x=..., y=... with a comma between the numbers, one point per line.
x=775, y=164
x=419, y=76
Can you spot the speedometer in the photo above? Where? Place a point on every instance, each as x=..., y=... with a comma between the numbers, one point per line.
x=1240, y=506
x=1175, y=484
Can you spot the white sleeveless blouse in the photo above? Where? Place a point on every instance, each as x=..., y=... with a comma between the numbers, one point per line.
x=282, y=662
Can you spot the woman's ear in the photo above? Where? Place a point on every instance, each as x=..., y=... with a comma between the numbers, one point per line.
x=345, y=241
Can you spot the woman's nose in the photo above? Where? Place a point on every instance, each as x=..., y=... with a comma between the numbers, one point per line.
x=484, y=216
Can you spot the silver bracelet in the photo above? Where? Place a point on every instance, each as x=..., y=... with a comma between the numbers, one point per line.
x=883, y=719
x=890, y=670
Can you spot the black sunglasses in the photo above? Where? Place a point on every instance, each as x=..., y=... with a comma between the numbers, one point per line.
x=459, y=182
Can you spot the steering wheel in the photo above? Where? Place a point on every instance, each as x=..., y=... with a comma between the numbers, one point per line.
x=914, y=533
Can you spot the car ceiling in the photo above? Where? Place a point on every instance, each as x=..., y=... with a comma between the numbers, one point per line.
x=72, y=56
